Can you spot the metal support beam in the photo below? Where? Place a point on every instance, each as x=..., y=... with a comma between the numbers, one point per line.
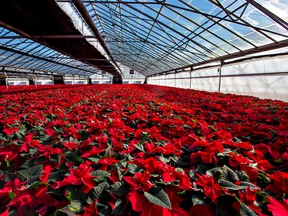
x=220, y=76
x=84, y=13
x=6, y=77
x=190, y=78
x=63, y=36
x=26, y=72
x=11, y=28
x=49, y=36
x=114, y=2
x=94, y=59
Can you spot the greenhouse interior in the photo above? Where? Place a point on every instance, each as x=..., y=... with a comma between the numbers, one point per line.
x=144, y=107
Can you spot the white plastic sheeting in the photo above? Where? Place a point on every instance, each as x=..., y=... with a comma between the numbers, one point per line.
x=264, y=78
x=133, y=81
x=75, y=81
x=17, y=81
x=182, y=81
x=101, y=80
x=211, y=83
x=274, y=87
x=44, y=82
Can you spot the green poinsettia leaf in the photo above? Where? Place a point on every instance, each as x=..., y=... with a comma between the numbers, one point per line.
x=245, y=210
x=27, y=164
x=9, y=176
x=21, y=132
x=237, y=140
x=229, y=174
x=103, y=210
x=164, y=159
x=216, y=172
x=93, y=159
x=248, y=184
x=43, y=137
x=121, y=157
x=229, y=185
x=31, y=174
x=120, y=173
x=201, y=169
x=242, y=175
x=66, y=211
x=132, y=168
x=40, y=160
x=75, y=206
x=140, y=147
x=108, y=151
x=56, y=176
x=105, y=198
x=178, y=169
x=119, y=206
x=97, y=191
x=263, y=180
x=102, y=205
x=158, y=197
x=31, y=152
x=119, y=189
x=101, y=175
x=11, y=195
x=192, y=175
x=197, y=200
x=55, y=159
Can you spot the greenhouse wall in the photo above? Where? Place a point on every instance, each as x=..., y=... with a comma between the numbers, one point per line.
x=264, y=78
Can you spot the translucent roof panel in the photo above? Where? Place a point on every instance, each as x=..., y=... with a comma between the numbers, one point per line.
x=149, y=36
x=157, y=36
x=23, y=53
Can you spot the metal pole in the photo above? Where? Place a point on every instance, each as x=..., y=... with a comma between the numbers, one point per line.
x=175, y=79
x=6, y=77
x=219, y=71
x=190, y=78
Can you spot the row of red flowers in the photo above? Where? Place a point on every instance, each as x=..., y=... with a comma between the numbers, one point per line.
x=141, y=150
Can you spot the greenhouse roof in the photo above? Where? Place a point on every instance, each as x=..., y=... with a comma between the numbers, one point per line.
x=159, y=36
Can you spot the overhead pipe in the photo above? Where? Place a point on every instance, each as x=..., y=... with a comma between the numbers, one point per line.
x=84, y=13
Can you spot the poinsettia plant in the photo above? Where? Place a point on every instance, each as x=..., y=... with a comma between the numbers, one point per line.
x=141, y=150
